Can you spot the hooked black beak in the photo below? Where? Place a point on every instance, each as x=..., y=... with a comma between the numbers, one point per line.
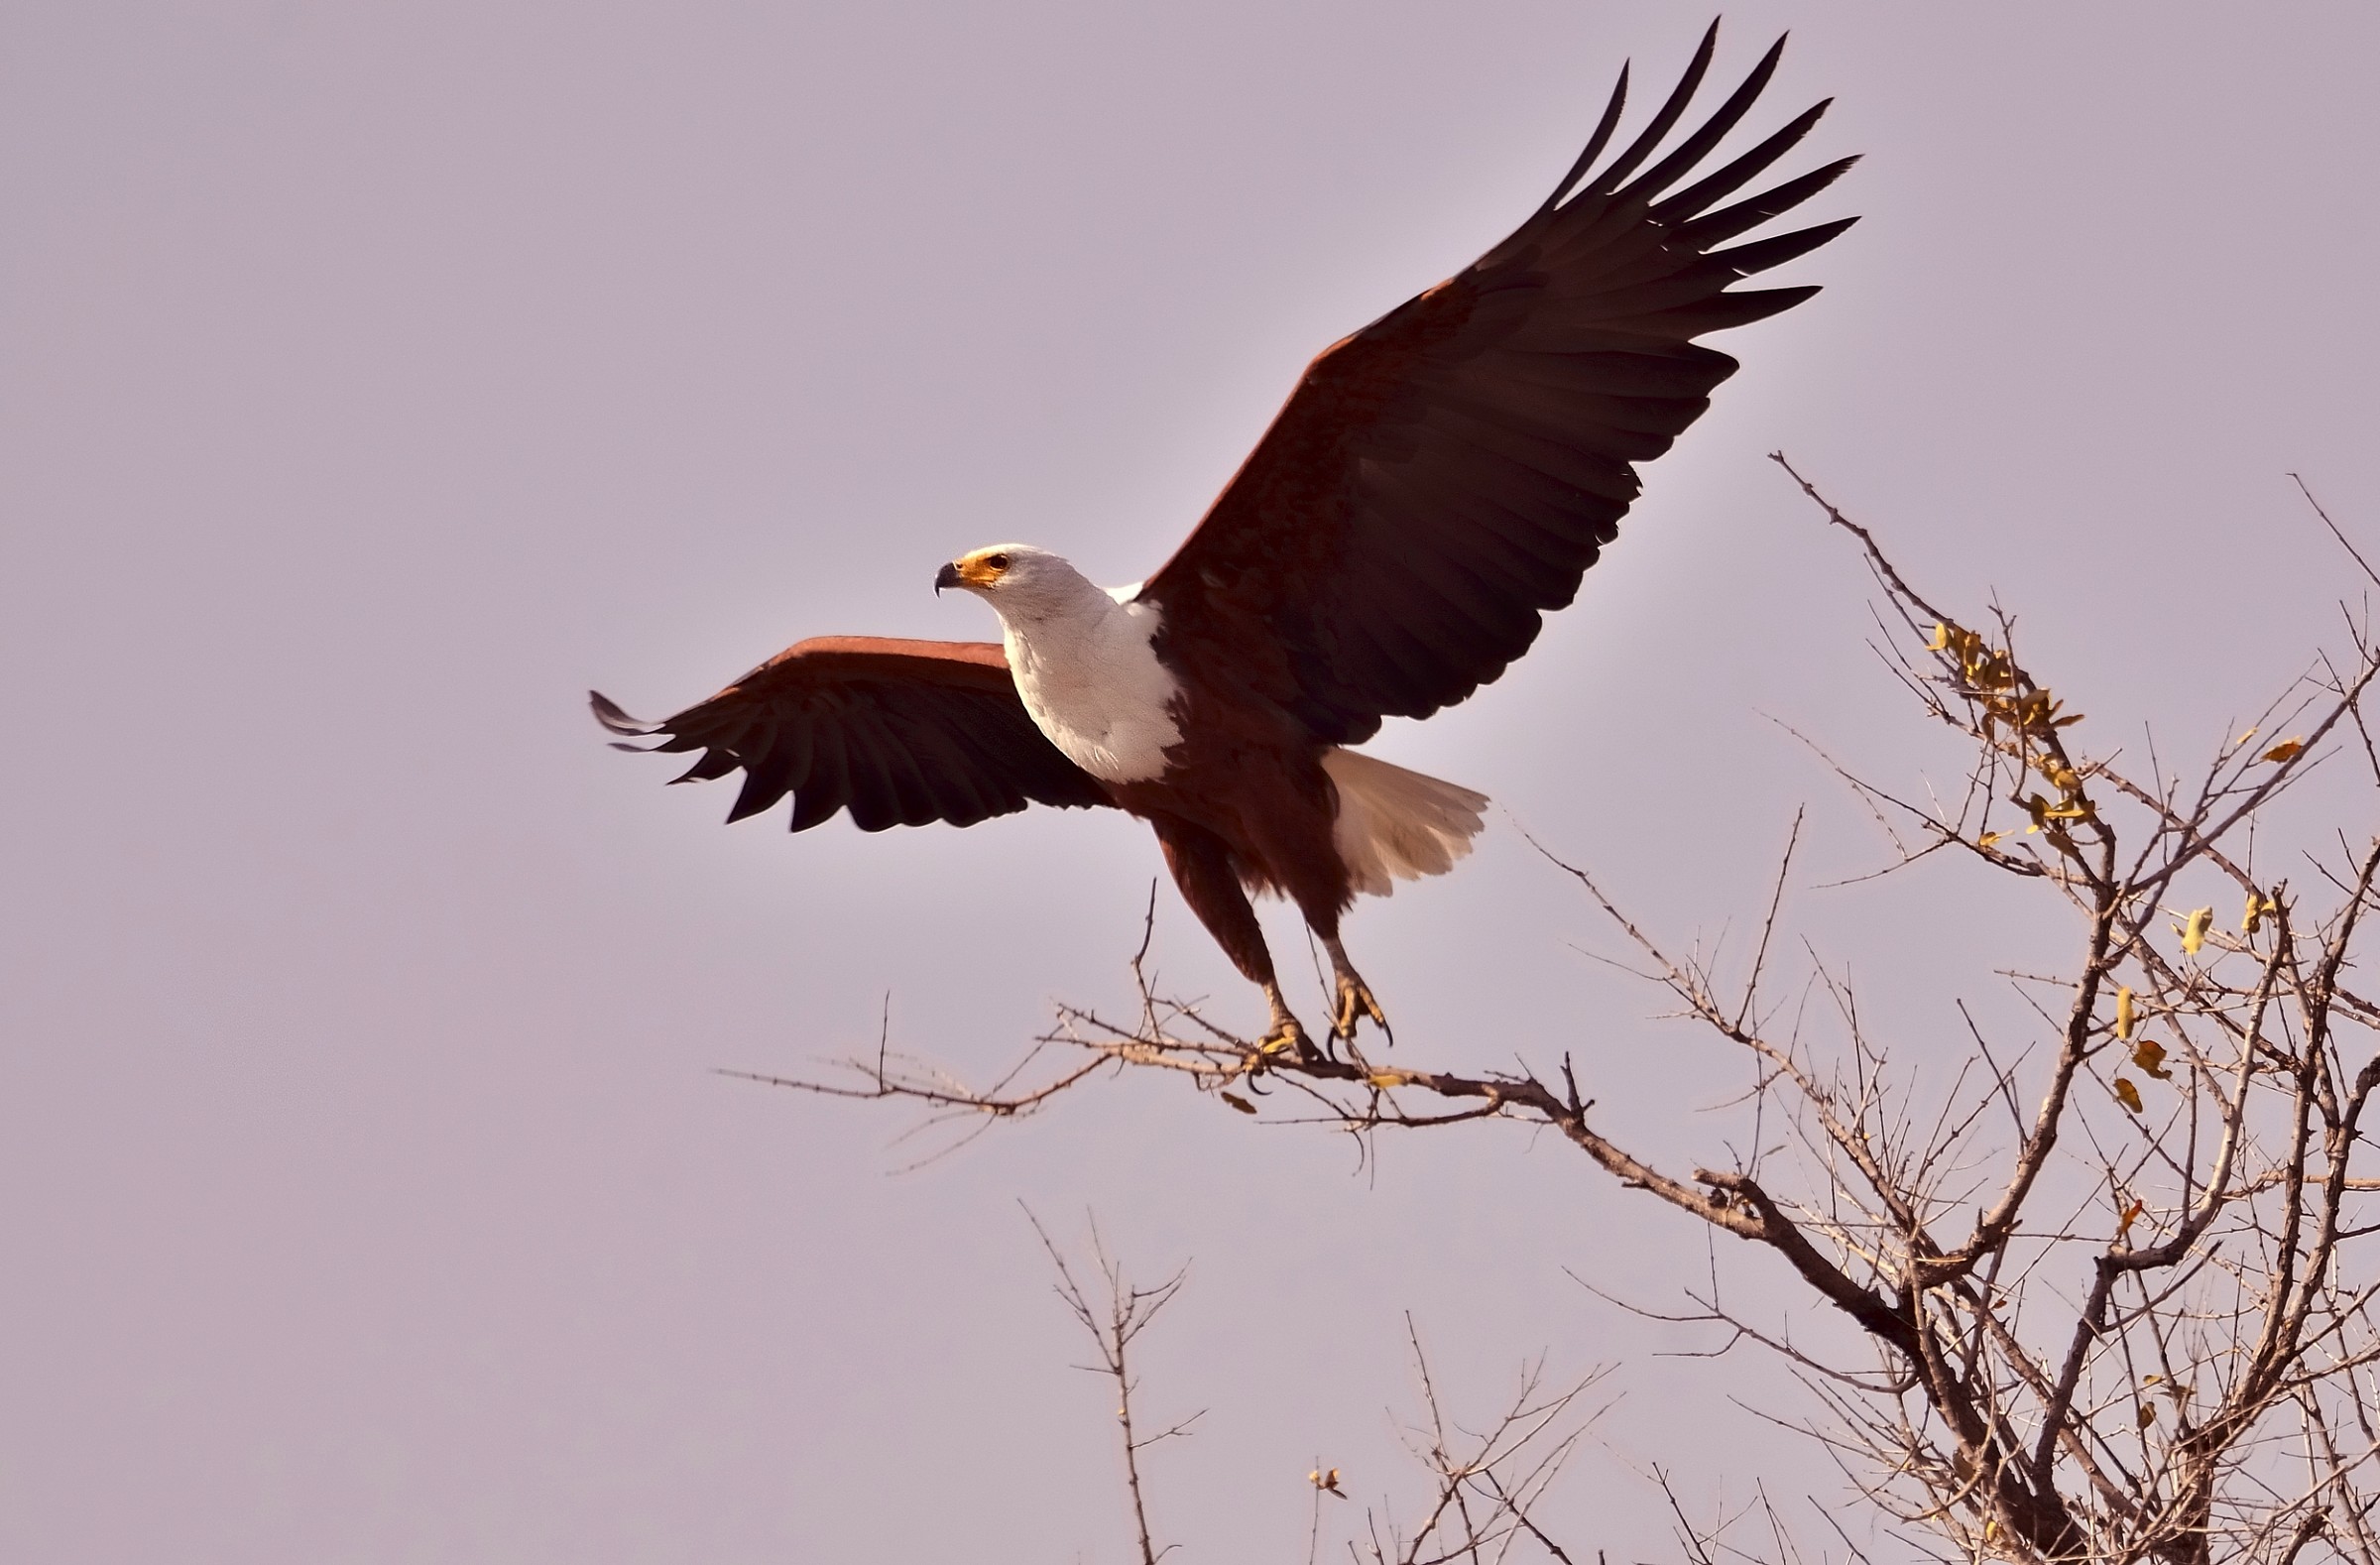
x=947, y=576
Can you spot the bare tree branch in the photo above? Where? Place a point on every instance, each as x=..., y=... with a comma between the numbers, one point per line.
x=2130, y=1322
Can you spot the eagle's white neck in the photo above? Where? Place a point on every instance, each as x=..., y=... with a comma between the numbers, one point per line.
x=1089, y=675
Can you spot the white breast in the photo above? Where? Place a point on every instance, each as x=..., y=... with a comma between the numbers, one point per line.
x=1093, y=683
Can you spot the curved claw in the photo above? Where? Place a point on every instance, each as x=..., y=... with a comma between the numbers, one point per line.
x=1356, y=1001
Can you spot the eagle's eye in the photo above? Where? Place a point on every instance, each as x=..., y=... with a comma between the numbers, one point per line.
x=997, y=561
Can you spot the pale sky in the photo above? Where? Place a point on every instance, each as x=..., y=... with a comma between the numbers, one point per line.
x=375, y=378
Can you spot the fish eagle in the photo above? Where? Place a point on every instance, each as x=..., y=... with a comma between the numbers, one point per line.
x=1435, y=483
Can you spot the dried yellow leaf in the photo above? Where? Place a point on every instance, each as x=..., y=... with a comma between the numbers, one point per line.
x=1988, y=838
x=2253, y=918
x=1387, y=1078
x=2148, y=1416
x=2285, y=750
x=2150, y=1057
x=1239, y=1103
x=1942, y=638
x=2124, y=1224
x=2193, y=933
x=2125, y=1012
x=1327, y=1482
x=2244, y=738
x=2127, y=1094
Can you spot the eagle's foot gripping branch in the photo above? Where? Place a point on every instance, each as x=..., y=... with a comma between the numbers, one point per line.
x=1285, y=1036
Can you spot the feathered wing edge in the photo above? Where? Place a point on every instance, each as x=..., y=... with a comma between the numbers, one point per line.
x=898, y=733
x=1445, y=476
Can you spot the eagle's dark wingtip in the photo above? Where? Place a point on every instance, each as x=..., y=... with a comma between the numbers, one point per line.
x=608, y=713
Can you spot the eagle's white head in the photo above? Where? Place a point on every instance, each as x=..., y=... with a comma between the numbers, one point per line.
x=1025, y=586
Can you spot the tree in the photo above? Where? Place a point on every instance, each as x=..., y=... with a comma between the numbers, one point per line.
x=2115, y=1287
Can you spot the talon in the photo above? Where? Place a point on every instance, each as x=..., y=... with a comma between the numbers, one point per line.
x=1356, y=1001
x=1285, y=1036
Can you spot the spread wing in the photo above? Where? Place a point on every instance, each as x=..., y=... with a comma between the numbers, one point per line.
x=1443, y=477
x=899, y=732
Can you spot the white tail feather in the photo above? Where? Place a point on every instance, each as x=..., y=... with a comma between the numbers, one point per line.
x=1395, y=824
